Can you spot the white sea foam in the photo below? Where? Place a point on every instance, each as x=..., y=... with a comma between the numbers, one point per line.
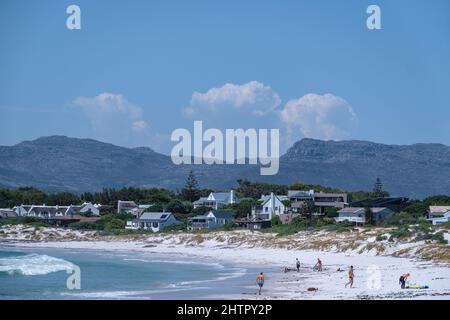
x=122, y=294
x=210, y=264
x=33, y=264
x=221, y=277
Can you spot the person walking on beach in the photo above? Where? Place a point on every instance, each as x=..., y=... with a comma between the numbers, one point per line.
x=260, y=281
x=297, y=264
x=351, y=275
x=318, y=265
x=402, y=280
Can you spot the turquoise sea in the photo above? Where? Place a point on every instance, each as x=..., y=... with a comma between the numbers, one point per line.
x=28, y=273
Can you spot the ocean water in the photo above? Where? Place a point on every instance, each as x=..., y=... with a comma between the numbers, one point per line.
x=42, y=274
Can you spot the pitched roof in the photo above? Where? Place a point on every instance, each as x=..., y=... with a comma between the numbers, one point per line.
x=351, y=210
x=155, y=216
x=222, y=214
x=50, y=208
x=358, y=209
x=266, y=198
x=300, y=193
x=439, y=209
x=221, y=196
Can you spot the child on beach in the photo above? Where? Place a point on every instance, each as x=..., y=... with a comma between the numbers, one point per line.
x=351, y=275
x=260, y=281
x=297, y=264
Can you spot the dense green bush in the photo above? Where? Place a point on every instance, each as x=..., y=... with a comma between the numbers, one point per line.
x=276, y=221
x=402, y=218
x=31, y=221
x=175, y=227
x=85, y=226
x=400, y=233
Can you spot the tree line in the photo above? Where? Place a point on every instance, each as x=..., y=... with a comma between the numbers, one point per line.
x=180, y=201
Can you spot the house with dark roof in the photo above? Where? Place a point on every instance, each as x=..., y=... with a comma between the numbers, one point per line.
x=358, y=215
x=6, y=213
x=49, y=212
x=155, y=221
x=131, y=207
x=320, y=200
x=216, y=200
x=214, y=219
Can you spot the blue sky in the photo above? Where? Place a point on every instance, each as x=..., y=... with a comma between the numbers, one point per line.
x=137, y=70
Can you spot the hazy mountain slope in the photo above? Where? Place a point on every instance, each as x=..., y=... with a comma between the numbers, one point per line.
x=61, y=163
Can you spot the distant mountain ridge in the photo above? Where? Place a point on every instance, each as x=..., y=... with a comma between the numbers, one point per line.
x=59, y=163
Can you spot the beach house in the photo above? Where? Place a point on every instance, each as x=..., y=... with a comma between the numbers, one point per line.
x=6, y=213
x=319, y=201
x=155, y=221
x=213, y=219
x=323, y=200
x=216, y=200
x=438, y=214
x=50, y=212
x=22, y=210
x=131, y=207
x=88, y=208
x=357, y=215
x=270, y=206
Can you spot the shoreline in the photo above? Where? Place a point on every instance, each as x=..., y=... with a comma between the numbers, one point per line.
x=291, y=285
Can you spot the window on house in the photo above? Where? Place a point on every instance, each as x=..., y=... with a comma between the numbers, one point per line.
x=155, y=224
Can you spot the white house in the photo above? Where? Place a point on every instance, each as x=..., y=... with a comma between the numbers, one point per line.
x=271, y=205
x=213, y=219
x=358, y=214
x=131, y=207
x=22, y=210
x=48, y=212
x=155, y=221
x=217, y=200
x=89, y=207
x=437, y=211
x=439, y=215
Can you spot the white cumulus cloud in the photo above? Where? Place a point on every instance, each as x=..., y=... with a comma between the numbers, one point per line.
x=318, y=116
x=114, y=118
x=254, y=96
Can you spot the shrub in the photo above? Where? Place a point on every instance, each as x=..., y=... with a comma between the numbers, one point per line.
x=445, y=225
x=123, y=216
x=276, y=221
x=400, y=233
x=439, y=237
x=381, y=238
x=175, y=227
x=331, y=212
x=114, y=224
x=84, y=226
x=402, y=218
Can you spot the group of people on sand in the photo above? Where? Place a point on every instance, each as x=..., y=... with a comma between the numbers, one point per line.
x=318, y=267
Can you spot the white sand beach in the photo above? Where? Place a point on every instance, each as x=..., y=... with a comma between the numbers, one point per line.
x=376, y=275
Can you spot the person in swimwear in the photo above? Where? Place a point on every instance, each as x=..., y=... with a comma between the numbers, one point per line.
x=260, y=281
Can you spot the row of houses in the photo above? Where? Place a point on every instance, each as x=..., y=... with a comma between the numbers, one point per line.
x=57, y=214
x=286, y=207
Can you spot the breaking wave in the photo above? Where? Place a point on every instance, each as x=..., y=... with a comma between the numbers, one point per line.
x=33, y=264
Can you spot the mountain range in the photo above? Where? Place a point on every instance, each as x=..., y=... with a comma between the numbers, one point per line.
x=59, y=163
